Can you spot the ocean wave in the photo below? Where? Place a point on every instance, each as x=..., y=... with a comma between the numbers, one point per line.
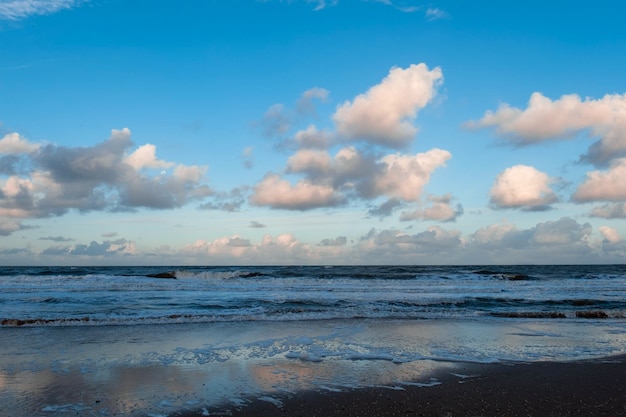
x=51, y=296
x=204, y=274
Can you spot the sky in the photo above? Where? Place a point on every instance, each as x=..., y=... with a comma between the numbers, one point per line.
x=254, y=132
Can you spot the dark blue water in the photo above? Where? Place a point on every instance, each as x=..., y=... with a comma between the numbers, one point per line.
x=48, y=296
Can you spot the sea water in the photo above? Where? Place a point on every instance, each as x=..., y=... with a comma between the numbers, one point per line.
x=148, y=341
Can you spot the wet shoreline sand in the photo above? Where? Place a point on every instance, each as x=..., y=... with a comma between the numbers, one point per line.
x=316, y=368
x=580, y=388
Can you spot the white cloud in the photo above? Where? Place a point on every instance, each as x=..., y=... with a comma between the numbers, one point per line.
x=275, y=192
x=322, y=4
x=306, y=105
x=145, y=157
x=339, y=241
x=610, y=234
x=56, y=179
x=13, y=143
x=404, y=176
x=120, y=247
x=564, y=231
x=384, y=115
x=604, y=185
x=8, y=226
x=307, y=160
x=493, y=233
x=279, y=120
x=545, y=119
x=439, y=209
x=563, y=241
x=610, y=211
x=433, y=13
x=551, y=242
x=432, y=245
x=276, y=121
x=524, y=187
x=280, y=249
x=248, y=156
x=21, y=9
x=311, y=137
x=331, y=180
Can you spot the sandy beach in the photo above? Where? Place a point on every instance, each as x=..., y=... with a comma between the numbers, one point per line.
x=585, y=388
x=363, y=368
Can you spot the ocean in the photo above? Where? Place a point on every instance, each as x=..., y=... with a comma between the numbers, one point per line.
x=92, y=296
x=137, y=340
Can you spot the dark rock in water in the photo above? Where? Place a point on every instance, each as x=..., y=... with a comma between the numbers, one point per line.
x=582, y=302
x=166, y=275
x=514, y=277
x=251, y=274
x=485, y=272
x=592, y=314
x=503, y=276
x=531, y=315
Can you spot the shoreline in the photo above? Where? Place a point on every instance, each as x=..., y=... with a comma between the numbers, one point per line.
x=376, y=368
x=591, y=387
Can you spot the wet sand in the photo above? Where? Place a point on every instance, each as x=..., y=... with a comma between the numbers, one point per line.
x=325, y=368
x=587, y=388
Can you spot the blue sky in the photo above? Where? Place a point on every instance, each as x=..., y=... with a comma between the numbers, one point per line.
x=312, y=132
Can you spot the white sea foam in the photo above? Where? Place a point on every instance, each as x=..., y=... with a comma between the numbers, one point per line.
x=272, y=400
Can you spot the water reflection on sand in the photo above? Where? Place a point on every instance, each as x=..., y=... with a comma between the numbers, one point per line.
x=140, y=370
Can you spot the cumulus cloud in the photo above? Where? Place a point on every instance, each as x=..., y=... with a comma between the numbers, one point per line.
x=106, y=176
x=276, y=121
x=604, y=185
x=21, y=9
x=385, y=209
x=283, y=248
x=559, y=241
x=493, y=233
x=404, y=176
x=338, y=241
x=313, y=138
x=145, y=157
x=256, y=225
x=8, y=226
x=279, y=120
x=330, y=181
x=384, y=115
x=226, y=201
x=610, y=211
x=545, y=120
x=560, y=232
x=549, y=234
x=57, y=239
x=523, y=187
x=349, y=168
x=276, y=192
x=550, y=242
x=439, y=208
x=610, y=234
x=306, y=105
x=120, y=247
x=13, y=143
x=396, y=246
